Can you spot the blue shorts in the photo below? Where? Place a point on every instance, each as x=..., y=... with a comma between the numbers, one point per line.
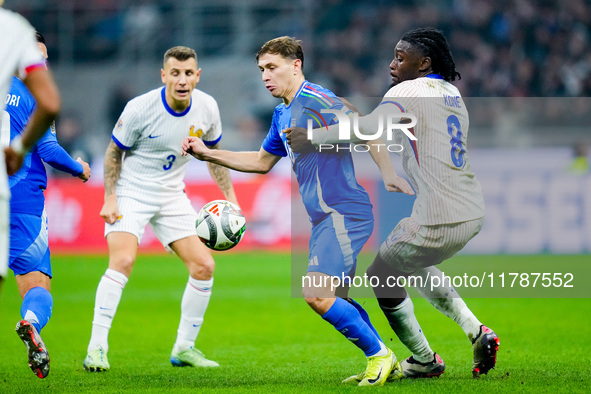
x=335, y=243
x=29, y=246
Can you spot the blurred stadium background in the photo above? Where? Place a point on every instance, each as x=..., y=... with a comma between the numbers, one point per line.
x=526, y=74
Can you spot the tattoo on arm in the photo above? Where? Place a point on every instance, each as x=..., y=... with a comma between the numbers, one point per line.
x=221, y=176
x=113, y=159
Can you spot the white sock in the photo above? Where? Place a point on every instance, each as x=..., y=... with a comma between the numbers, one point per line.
x=383, y=351
x=403, y=321
x=108, y=295
x=447, y=301
x=193, y=307
x=31, y=317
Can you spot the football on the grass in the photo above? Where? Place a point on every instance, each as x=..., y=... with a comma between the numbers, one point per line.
x=220, y=225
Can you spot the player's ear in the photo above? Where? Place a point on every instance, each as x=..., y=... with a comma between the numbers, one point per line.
x=425, y=64
x=197, y=75
x=297, y=66
x=162, y=75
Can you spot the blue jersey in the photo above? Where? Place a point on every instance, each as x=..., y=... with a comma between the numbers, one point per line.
x=326, y=180
x=27, y=185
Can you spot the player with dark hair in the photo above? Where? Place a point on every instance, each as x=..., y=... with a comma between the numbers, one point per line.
x=339, y=208
x=21, y=56
x=432, y=43
x=449, y=208
x=29, y=248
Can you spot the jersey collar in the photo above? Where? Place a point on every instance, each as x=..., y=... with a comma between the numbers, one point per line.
x=170, y=110
x=298, y=93
x=434, y=76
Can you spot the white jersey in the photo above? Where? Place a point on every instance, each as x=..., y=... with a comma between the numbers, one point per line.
x=19, y=53
x=437, y=162
x=151, y=134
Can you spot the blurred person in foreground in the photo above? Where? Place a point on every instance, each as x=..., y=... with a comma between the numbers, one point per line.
x=29, y=256
x=21, y=56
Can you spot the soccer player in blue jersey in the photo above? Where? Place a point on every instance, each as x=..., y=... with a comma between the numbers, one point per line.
x=339, y=208
x=29, y=251
x=19, y=54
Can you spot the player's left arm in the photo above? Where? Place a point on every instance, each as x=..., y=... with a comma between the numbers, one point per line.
x=53, y=154
x=221, y=176
x=392, y=182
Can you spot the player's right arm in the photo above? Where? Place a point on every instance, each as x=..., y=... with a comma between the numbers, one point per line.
x=113, y=160
x=259, y=162
x=43, y=88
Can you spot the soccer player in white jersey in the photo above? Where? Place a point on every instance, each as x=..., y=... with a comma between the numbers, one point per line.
x=449, y=208
x=20, y=55
x=144, y=173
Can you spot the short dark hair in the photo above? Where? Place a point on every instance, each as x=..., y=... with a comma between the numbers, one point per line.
x=432, y=43
x=180, y=53
x=288, y=47
x=39, y=37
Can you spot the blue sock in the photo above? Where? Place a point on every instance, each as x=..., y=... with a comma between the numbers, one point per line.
x=347, y=320
x=36, y=307
x=364, y=316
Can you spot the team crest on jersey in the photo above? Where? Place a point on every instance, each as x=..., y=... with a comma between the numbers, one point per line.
x=52, y=127
x=194, y=133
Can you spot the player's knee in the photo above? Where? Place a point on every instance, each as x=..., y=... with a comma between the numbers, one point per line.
x=122, y=263
x=202, y=269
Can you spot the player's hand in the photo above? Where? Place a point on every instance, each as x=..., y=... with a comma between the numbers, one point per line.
x=14, y=161
x=110, y=211
x=85, y=170
x=195, y=147
x=399, y=185
x=297, y=138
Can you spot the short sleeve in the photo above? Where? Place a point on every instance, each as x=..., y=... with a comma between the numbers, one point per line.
x=273, y=143
x=214, y=134
x=31, y=57
x=126, y=132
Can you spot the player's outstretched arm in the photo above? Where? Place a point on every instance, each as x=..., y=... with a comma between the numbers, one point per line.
x=259, y=162
x=113, y=160
x=41, y=85
x=53, y=154
x=392, y=181
x=221, y=176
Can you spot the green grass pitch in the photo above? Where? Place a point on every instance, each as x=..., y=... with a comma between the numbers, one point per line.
x=267, y=341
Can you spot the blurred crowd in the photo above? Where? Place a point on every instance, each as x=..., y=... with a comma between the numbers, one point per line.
x=502, y=48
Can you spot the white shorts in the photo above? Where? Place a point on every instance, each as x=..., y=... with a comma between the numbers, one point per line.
x=4, y=233
x=172, y=219
x=411, y=246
